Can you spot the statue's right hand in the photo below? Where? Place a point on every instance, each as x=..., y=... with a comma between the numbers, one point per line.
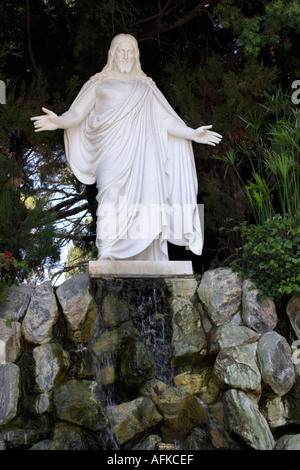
x=46, y=122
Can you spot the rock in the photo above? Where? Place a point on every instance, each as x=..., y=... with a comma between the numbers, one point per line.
x=188, y=338
x=69, y=437
x=113, y=342
x=230, y=335
x=114, y=311
x=149, y=443
x=196, y=440
x=220, y=290
x=275, y=362
x=137, y=364
x=106, y=374
x=275, y=409
x=18, y=298
x=182, y=287
x=9, y=392
x=38, y=404
x=260, y=315
x=51, y=365
x=200, y=383
x=181, y=411
x=245, y=420
x=23, y=433
x=10, y=334
x=83, y=362
x=41, y=315
x=132, y=418
x=78, y=402
x=45, y=444
x=293, y=312
x=236, y=367
x=288, y=442
x=2, y=444
x=78, y=307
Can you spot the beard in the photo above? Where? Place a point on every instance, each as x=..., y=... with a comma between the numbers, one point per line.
x=125, y=67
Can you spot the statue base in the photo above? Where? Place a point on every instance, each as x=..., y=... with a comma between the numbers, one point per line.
x=140, y=269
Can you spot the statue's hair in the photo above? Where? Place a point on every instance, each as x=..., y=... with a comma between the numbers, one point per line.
x=137, y=69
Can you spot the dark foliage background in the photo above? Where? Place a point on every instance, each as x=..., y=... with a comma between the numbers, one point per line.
x=214, y=60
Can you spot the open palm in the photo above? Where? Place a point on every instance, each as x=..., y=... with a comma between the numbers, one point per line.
x=46, y=122
x=204, y=136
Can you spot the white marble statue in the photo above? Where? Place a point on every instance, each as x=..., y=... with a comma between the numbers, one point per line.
x=121, y=133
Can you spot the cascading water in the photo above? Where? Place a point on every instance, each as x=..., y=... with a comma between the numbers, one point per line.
x=150, y=314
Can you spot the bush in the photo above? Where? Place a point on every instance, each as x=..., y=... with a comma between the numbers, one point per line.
x=11, y=271
x=270, y=256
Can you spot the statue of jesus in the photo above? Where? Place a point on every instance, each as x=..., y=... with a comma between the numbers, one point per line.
x=122, y=133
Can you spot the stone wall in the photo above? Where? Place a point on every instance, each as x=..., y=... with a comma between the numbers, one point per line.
x=153, y=364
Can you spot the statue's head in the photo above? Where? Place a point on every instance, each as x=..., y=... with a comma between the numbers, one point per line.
x=124, y=53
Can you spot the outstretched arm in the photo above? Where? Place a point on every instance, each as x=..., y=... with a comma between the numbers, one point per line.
x=71, y=118
x=201, y=135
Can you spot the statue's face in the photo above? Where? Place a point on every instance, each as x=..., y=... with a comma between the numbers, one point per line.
x=124, y=56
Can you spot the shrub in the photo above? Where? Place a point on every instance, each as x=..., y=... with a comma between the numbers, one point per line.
x=270, y=256
x=11, y=270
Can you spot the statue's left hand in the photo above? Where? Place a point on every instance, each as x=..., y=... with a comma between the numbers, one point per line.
x=203, y=135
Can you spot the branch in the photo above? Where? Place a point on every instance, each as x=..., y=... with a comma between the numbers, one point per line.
x=199, y=10
x=64, y=214
x=30, y=50
x=67, y=203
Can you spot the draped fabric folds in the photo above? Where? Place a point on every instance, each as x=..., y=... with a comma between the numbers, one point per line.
x=146, y=178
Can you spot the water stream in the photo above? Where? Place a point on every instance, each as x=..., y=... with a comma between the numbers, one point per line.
x=150, y=314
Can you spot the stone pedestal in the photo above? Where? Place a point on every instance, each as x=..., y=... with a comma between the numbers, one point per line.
x=140, y=269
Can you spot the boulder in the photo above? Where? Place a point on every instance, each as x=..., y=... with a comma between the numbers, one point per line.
x=9, y=392
x=260, y=315
x=275, y=409
x=275, y=362
x=38, y=403
x=83, y=362
x=196, y=440
x=293, y=312
x=78, y=307
x=288, y=442
x=18, y=298
x=236, y=367
x=69, y=437
x=51, y=365
x=181, y=411
x=114, y=342
x=41, y=315
x=23, y=433
x=200, y=383
x=137, y=364
x=245, y=420
x=149, y=443
x=79, y=402
x=230, y=335
x=114, y=311
x=182, y=288
x=220, y=290
x=188, y=338
x=45, y=444
x=132, y=418
x=10, y=334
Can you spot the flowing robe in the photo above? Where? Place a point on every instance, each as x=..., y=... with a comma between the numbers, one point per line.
x=146, y=178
